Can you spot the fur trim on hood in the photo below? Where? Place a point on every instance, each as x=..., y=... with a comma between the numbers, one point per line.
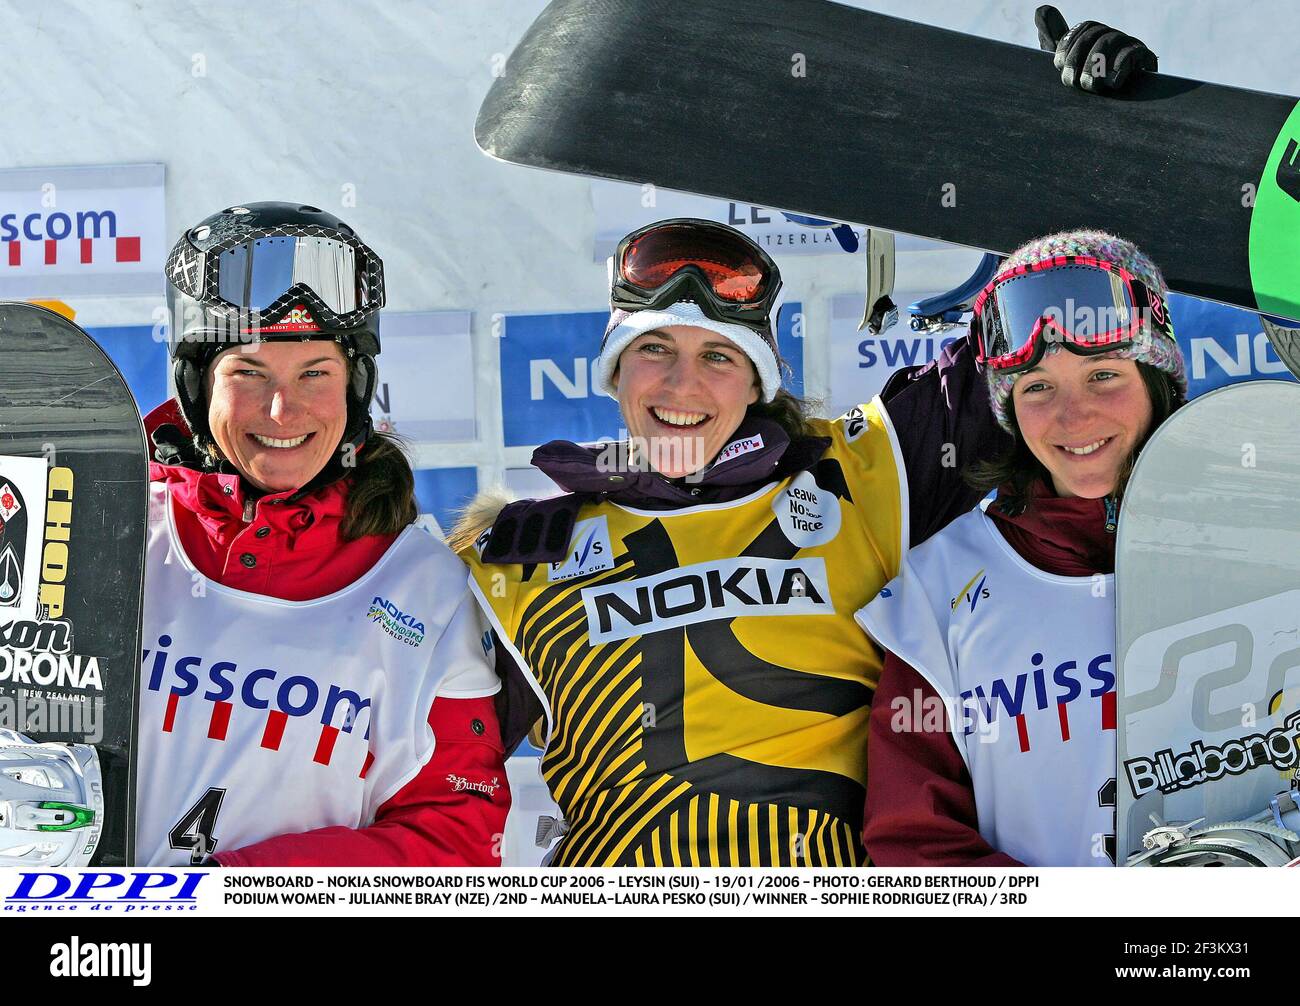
x=476, y=517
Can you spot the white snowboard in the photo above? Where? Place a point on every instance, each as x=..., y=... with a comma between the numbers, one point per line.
x=1208, y=613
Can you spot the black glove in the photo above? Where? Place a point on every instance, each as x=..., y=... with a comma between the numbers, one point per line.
x=1091, y=55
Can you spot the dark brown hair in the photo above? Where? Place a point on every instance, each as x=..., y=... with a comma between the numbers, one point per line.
x=787, y=410
x=381, y=499
x=1017, y=469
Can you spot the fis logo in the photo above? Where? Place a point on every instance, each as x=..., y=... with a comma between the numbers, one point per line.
x=972, y=592
x=589, y=552
x=728, y=588
x=394, y=621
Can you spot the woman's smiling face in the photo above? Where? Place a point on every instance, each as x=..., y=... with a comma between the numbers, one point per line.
x=277, y=410
x=1082, y=417
x=683, y=390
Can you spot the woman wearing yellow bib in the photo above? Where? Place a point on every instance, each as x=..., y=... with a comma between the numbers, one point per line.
x=683, y=617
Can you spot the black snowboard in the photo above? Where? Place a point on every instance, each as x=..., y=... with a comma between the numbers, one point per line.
x=73, y=499
x=842, y=113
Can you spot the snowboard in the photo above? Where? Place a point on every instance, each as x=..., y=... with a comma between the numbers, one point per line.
x=73, y=499
x=1208, y=613
x=850, y=115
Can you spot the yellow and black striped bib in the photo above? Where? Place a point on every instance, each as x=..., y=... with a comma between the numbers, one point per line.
x=708, y=688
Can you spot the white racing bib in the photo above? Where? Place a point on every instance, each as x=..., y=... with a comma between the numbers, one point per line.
x=262, y=717
x=1023, y=660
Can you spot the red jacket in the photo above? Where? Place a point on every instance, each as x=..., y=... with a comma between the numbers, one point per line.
x=426, y=823
x=920, y=799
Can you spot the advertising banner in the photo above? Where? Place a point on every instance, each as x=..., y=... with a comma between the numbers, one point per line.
x=426, y=377
x=621, y=208
x=89, y=231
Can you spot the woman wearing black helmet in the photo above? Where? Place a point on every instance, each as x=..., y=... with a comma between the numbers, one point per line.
x=314, y=688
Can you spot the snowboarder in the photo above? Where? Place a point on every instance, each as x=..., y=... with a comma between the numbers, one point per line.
x=314, y=687
x=684, y=615
x=993, y=728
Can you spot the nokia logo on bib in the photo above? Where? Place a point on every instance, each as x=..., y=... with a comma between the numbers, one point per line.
x=394, y=621
x=727, y=588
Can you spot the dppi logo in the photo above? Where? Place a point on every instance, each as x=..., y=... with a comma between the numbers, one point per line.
x=394, y=621
x=47, y=233
x=1056, y=689
x=261, y=690
x=103, y=890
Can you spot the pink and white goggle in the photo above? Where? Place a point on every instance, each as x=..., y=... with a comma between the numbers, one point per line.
x=1087, y=304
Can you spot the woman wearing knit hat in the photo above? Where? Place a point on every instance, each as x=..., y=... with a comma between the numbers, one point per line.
x=993, y=729
x=684, y=616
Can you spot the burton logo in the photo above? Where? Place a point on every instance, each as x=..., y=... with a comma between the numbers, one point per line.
x=483, y=790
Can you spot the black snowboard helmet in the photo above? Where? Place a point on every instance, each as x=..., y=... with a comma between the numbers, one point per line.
x=273, y=271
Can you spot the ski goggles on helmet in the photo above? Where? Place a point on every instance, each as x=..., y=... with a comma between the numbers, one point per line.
x=1087, y=304
x=707, y=263
x=303, y=279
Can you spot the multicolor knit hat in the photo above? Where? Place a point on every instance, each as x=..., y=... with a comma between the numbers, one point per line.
x=1149, y=347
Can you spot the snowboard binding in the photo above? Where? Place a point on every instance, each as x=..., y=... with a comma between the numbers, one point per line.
x=945, y=310
x=1272, y=838
x=51, y=802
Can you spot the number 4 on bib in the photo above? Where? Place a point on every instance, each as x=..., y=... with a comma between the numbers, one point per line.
x=195, y=832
